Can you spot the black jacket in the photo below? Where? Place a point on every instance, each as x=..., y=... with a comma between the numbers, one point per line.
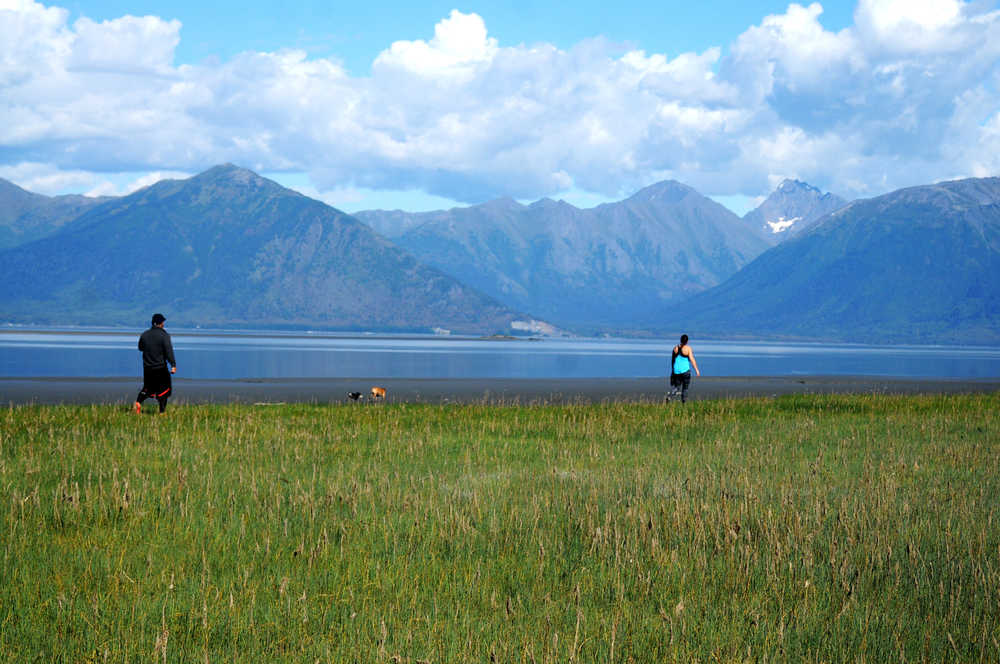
x=156, y=348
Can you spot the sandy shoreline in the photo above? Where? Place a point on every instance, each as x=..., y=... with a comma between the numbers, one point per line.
x=21, y=391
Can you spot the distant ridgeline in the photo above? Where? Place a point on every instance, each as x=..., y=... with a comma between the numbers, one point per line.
x=612, y=267
x=919, y=265
x=229, y=248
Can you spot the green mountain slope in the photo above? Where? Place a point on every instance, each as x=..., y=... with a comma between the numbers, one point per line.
x=229, y=248
x=26, y=216
x=610, y=267
x=916, y=265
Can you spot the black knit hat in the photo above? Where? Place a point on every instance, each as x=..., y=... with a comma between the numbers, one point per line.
x=158, y=318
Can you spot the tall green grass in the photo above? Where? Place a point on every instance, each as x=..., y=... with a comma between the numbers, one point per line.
x=826, y=528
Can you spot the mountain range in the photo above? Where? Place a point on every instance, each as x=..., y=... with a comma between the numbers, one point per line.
x=918, y=265
x=26, y=216
x=610, y=267
x=230, y=248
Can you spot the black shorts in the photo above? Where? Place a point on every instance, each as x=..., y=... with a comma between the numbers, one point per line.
x=156, y=382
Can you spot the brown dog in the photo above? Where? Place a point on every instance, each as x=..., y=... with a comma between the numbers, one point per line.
x=378, y=393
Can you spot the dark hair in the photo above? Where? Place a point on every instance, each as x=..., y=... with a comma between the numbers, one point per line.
x=684, y=339
x=158, y=318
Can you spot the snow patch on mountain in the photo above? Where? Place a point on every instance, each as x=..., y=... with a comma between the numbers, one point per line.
x=782, y=224
x=793, y=207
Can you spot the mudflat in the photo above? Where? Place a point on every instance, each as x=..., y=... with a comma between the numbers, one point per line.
x=22, y=391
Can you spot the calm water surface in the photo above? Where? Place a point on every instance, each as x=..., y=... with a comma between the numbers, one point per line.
x=236, y=355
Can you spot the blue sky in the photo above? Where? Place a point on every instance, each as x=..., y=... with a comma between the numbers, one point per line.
x=427, y=105
x=357, y=32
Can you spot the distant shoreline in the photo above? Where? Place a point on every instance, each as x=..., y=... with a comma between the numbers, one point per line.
x=311, y=333
x=51, y=391
x=282, y=334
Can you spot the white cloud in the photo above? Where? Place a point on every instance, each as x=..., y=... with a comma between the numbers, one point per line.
x=924, y=15
x=132, y=184
x=459, y=48
x=912, y=25
x=33, y=37
x=43, y=179
x=910, y=93
x=127, y=45
x=794, y=50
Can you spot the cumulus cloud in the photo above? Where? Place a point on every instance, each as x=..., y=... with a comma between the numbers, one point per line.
x=108, y=188
x=459, y=48
x=912, y=25
x=128, y=44
x=909, y=93
x=41, y=178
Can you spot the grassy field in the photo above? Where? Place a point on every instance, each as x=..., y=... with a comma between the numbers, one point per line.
x=827, y=529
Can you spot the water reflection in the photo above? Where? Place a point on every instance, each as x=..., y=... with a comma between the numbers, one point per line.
x=25, y=353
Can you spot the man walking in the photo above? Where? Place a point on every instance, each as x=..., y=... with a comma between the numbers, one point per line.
x=157, y=352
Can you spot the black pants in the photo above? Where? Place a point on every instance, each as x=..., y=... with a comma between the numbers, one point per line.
x=681, y=382
x=156, y=384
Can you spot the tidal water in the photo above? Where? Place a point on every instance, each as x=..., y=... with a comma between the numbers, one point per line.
x=248, y=355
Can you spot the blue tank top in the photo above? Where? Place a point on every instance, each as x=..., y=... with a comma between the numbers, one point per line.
x=681, y=364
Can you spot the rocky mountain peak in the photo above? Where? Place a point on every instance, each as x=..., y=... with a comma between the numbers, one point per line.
x=549, y=204
x=667, y=191
x=789, y=186
x=791, y=208
x=502, y=204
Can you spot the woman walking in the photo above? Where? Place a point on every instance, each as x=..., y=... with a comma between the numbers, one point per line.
x=681, y=361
